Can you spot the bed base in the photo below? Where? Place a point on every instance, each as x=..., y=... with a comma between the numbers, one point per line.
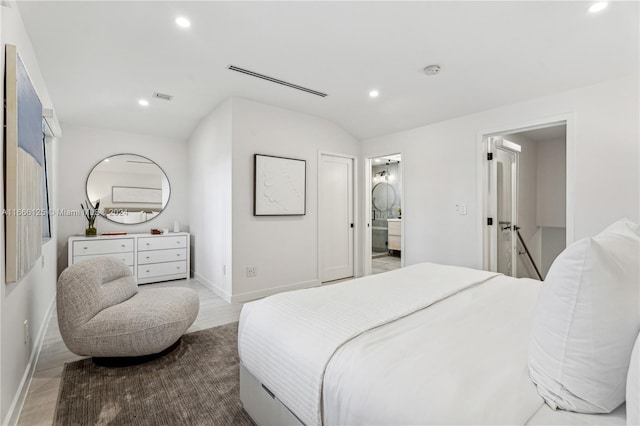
x=262, y=405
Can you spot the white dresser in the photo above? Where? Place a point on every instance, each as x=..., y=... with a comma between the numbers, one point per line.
x=152, y=258
x=394, y=234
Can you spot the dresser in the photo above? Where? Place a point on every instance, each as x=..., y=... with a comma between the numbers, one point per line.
x=151, y=258
x=394, y=234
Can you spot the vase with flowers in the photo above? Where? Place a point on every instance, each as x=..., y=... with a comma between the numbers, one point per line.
x=91, y=213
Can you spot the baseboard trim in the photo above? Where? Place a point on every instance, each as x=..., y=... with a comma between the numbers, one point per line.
x=213, y=286
x=23, y=390
x=252, y=295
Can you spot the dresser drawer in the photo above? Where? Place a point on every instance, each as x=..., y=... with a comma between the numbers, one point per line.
x=158, y=256
x=394, y=228
x=126, y=258
x=159, y=269
x=394, y=242
x=162, y=243
x=86, y=247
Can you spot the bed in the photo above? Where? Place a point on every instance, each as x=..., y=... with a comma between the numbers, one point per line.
x=426, y=344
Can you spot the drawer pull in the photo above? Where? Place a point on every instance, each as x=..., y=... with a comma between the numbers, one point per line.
x=123, y=245
x=177, y=267
x=147, y=257
x=86, y=248
x=178, y=254
x=147, y=270
x=147, y=243
x=177, y=242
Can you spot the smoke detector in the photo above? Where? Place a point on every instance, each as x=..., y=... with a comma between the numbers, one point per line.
x=432, y=70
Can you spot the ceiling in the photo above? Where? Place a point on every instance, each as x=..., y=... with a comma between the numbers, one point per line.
x=544, y=134
x=99, y=58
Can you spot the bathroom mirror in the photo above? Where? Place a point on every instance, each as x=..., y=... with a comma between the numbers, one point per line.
x=131, y=188
x=383, y=196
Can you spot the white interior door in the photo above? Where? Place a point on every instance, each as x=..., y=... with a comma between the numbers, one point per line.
x=503, y=205
x=336, y=218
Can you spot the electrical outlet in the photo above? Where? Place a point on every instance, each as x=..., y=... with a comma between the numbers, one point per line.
x=252, y=271
x=26, y=332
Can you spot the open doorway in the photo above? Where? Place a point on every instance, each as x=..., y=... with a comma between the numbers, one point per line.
x=526, y=193
x=385, y=209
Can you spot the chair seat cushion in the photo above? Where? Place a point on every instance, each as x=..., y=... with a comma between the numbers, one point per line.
x=145, y=324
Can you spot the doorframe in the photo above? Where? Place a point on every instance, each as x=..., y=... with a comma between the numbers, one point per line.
x=567, y=119
x=366, y=249
x=356, y=211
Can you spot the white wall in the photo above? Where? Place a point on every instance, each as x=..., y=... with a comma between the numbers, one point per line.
x=552, y=195
x=441, y=162
x=285, y=248
x=81, y=148
x=30, y=298
x=210, y=199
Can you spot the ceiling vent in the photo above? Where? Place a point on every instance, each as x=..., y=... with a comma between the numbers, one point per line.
x=163, y=96
x=275, y=80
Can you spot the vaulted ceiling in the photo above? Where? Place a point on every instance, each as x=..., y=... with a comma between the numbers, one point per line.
x=99, y=58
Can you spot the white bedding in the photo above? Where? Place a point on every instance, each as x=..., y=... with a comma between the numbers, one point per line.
x=546, y=416
x=287, y=340
x=461, y=361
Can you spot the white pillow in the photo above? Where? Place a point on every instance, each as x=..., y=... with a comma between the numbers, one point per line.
x=586, y=322
x=633, y=386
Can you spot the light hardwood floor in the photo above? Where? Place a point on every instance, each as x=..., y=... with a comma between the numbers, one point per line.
x=41, y=399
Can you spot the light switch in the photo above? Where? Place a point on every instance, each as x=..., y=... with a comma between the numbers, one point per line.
x=462, y=208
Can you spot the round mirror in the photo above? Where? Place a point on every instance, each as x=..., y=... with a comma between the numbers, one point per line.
x=131, y=189
x=383, y=196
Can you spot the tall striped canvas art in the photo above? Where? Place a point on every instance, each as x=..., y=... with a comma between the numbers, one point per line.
x=24, y=168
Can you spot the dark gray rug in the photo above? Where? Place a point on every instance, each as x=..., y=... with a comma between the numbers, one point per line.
x=196, y=384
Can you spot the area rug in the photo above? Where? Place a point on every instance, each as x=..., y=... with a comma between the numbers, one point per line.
x=196, y=384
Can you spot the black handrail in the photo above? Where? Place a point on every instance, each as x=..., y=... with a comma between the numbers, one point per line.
x=517, y=228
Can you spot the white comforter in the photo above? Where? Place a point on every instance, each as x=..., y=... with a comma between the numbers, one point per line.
x=286, y=341
x=461, y=361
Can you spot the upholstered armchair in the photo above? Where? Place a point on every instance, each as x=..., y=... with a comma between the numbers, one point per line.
x=101, y=312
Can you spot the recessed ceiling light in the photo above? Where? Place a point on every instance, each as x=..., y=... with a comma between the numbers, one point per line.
x=597, y=7
x=143, y=102
x=377, y=160
x=183, y=22
x=374, y=94
x=106, y=160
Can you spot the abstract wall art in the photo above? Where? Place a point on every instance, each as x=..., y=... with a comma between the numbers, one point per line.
x=279, y=186
x=24, y=169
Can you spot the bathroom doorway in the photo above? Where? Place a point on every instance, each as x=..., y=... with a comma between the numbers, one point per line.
x=385, y=210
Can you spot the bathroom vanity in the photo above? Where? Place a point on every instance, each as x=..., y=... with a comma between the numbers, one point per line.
x=394, y=234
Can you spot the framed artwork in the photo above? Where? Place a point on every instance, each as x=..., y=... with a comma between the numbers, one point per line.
x=133, y=194
x=279, y=186
x=24, y=170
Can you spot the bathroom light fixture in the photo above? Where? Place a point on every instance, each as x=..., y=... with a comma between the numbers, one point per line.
x=183, y=22
x=597, y=7
x=374, y=94
x=143, y=102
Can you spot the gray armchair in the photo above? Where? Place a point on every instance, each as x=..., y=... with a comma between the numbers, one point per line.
x=101, y=313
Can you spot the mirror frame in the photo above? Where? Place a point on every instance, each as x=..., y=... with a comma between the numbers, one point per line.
x=388, y=206
x=86, y=187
